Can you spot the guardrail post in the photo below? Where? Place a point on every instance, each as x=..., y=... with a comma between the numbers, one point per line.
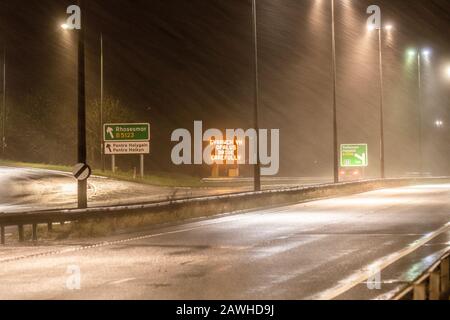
x=435, y=285
x=445, y=270
x=420, y=292
x=2, y=231
x=20, y=229
x=50, y=227
x=35, y=236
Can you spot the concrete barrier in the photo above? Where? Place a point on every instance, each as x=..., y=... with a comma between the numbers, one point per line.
x=123, y=217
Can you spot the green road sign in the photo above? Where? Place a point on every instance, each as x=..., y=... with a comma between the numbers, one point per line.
x=131, y=132
x=354, y=155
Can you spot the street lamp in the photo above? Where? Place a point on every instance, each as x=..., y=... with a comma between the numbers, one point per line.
x=447, y=72
x=257, y=167
x=334, y=72
x=439, y=123
x=426, y=52
x=3, y=141
x=102, y=151
x=82, y=150
x=423, y=53
x=388, y=28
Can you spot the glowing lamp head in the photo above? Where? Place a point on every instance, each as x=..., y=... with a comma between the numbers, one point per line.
x=412, y=52
x=439, y=123
x=426, y=52
x=447, y=72
x=370, y=27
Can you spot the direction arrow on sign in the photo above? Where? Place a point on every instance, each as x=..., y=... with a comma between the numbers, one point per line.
x=122, y=132
x=127, y=148
x=354, y=155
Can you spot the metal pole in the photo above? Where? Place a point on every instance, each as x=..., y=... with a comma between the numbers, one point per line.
x=142, y=166
x=3, y=142
x=257, y=167
x=21, y=234
x=2, y=235
x=102, y=151
x=82, y=154
x=113, y=163
x=382, y=150
x=335, y=128
x=419, y=70
x=34, y=235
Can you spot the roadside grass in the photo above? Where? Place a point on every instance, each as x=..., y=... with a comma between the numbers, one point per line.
x=163, y=179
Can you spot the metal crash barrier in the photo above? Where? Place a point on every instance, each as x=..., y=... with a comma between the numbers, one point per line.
x=433, y=285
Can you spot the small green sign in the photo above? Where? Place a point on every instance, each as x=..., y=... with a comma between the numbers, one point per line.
x=354, y=155
x=131, y=132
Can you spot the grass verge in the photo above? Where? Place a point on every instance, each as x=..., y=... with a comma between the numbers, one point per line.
x=163, y=179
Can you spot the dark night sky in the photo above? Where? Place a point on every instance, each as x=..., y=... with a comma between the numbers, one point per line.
x=176, y=61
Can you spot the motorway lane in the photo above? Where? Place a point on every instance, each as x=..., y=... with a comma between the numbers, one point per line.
x=306, y=251
x=26, y=189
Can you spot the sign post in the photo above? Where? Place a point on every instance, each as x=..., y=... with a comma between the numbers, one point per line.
x=113, y=163
x=82, y=152
x=354, y=155
x=142, y=166
x=127, y=138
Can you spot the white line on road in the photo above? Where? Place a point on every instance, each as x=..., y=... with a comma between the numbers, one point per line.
x=122, y=281
x=110, y=243
x=372, y=269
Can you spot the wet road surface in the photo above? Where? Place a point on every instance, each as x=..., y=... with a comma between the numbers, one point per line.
x=316, y=250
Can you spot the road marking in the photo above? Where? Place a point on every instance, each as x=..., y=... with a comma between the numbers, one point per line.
x=122, y=281
x=372, y=269
x=109, y=243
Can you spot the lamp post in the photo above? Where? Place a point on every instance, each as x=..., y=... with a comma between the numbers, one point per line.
x=82, y=152
x=388, y=28
x=81, y=123
x=102, y=151
x=419, y=79
x=420, y=54
x=3, y=142
x=257, y=167
x=447, y=72
x=334, y=74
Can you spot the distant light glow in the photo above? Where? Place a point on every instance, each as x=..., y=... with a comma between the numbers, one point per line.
x=439, y=123
x=426, y=52
x=65, y=26
x=447, y=71
x=371, y=27
x=412, y=52
x=389, y=27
